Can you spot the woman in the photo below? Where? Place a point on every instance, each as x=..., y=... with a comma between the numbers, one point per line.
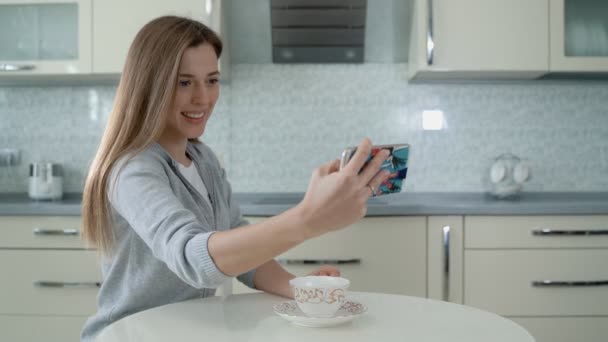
x=157, y=204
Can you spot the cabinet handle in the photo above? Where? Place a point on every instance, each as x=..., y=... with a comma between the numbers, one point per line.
x=44, y=231
x=44, y=283
x=553, y=232
x=583, y=283
x=319, y=261
x=16, y=67
x=446, y=263
x=430, y=35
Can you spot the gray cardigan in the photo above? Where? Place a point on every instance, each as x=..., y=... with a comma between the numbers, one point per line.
x=161, y=226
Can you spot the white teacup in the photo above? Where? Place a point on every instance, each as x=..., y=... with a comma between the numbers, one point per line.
x=319, y=296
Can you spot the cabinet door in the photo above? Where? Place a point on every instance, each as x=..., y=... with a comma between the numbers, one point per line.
x=49, y=232
x=45, y=37
x=565, y=329
x=116, y=22
x=539, y=231
x=579, y=35
x=41, y=328
x=48, y=282
x=515, y=282
x=480, y=38
x=378, y=254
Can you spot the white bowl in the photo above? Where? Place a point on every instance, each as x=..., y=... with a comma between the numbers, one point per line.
x=319, y=296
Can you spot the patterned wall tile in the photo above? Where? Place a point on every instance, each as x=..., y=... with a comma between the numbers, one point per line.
x=275, y=123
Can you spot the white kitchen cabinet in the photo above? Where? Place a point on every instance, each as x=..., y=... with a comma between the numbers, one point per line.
x=41, y=328
x=565, y=329
x=40, y=232
x=116, y=22
x=470, y=39
x=514, y=273
x=579, y=35
x=45, y=37
x=545, y=272
x=50, y=281
x=377, y=254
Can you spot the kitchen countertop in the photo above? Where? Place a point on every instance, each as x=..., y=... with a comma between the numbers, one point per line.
x=267, y=204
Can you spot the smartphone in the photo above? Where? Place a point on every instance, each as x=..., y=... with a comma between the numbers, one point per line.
x=396, y=163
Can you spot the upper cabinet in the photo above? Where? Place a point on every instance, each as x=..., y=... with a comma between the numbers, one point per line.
x=579, y=35
x=479, y=39
x=116, y=22
x=85, y=37
x=43, y=37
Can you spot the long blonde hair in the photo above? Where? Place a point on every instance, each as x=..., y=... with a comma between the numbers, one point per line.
x=144, y=97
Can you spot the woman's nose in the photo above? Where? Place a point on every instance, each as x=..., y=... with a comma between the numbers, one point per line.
x=200, y=96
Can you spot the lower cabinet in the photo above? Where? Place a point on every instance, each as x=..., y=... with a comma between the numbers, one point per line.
x=547, y=273
x=41, y=328
x=50, y=281
x=379, y=254
x=511, y=282
x=565, y=329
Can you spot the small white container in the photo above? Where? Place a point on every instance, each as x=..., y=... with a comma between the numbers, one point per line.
x=45, y=181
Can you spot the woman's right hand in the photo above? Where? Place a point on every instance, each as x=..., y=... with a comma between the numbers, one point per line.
x=337, y=198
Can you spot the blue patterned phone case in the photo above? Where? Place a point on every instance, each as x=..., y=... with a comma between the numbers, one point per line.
x=396, y=164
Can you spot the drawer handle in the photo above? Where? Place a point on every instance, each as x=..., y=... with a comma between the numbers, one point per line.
x=16, y=67
x=319, y=261
x=553, y=283
x=446, y=262
x=546, y=232
x=44, y=231
x=430, y=35
x=43, y=283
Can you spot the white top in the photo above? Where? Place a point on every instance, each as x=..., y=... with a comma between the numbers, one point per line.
x=250, y=317
x=195, y=179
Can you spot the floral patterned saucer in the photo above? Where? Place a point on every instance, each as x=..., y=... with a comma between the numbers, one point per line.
x=290, y=311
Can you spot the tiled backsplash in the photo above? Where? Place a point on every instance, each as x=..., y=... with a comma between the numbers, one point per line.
x=275, y=123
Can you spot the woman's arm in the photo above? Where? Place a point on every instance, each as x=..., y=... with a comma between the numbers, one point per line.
x=334, y=199
x=271, y=277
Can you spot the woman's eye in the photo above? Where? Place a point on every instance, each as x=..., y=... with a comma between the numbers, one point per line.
x=185, y=83
x=213, y=80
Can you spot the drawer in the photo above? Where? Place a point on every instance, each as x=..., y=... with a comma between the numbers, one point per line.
x=40, y=232
x=501, y=281
x=41, y=328
x=565, y=329
x=379, y=254
x=21, y=290
x=526, y=231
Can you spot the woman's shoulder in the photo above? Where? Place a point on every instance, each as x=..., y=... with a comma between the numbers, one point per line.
x=150, y=158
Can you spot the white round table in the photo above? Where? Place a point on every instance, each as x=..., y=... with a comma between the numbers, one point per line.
x=250, y=317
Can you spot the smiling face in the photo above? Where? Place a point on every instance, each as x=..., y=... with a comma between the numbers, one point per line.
x=196, y=93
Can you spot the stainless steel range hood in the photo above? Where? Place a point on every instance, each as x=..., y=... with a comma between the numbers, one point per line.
x=382, y=27
x=318, y=31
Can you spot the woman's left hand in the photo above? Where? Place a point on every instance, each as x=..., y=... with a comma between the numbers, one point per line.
x=326, y=270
